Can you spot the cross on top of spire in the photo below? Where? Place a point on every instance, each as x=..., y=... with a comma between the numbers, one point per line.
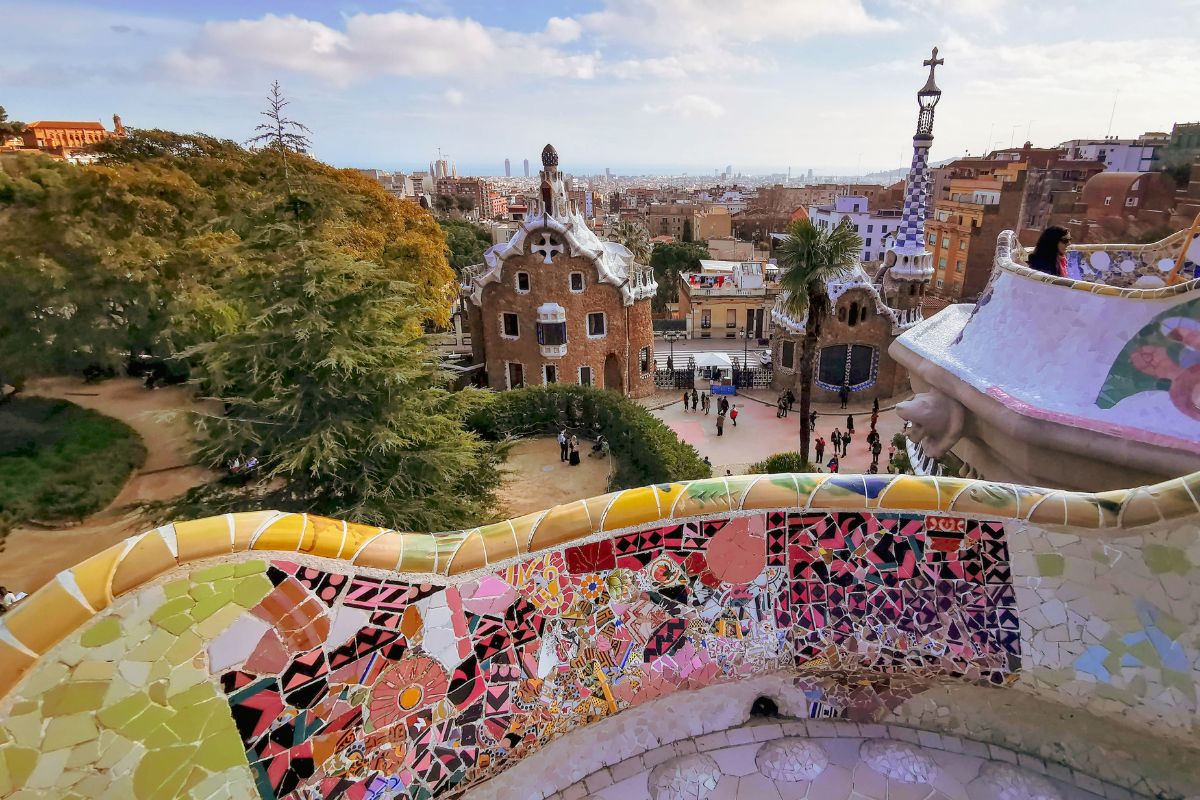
x=932, y=62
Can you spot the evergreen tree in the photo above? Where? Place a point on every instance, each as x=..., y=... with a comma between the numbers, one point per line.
x=328, y=382
x=281, y=134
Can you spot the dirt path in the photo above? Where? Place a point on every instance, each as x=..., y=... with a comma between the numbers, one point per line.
x=32, y=557
x=538, y=479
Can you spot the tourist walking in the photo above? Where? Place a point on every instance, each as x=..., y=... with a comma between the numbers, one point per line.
x=820, y=448
x=791, y=399
x=573, y=455
x=844, y=394
x=875, y=406
x=833, y=464
x=695, y=399
x=705, y=402
x=733, y=412
x=780, y=408
x=562, y=445
x=721, y=424
x=876, y=449
x=845, y=443
x=836, y=439
x=685, y=401
x=849, y=423
x=812, y=420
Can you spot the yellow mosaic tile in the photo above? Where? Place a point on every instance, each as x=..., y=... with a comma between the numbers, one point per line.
x=284, y=534
x=772, y=491
x=326, y=539
x=41, y=621
x=1173, y=499
x=524, y=527
x=910, y=492
x=596, y=506
x=1082, y=510
x=445, y=546
x=1052, y=510
x=383, y=551
x=562, y=524
x=246, y=524
x=499, y=542
x=203, y=538
x=13, y=664
x=1139, y=508
x=147, y=559
x=94, y=576
x=470, y=555
x=633, y=507
x=356, y=536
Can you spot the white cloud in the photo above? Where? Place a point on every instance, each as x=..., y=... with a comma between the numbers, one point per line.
x=563, y=30
x=688, y=106
x=388, y=44
x=678, y=25
x=454, y=97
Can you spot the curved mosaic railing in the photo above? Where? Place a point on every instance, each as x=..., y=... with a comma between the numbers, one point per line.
x=297, y=656
x=1130, y=270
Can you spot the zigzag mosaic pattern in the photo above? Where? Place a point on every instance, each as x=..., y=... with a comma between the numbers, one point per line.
x=358, y=687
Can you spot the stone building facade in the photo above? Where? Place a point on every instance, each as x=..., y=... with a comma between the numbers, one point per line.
x=556, y=304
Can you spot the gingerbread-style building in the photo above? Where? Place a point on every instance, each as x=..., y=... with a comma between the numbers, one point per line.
x=557, y=304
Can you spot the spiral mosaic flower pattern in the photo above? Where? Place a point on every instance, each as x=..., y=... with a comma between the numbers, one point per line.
x=410, y=686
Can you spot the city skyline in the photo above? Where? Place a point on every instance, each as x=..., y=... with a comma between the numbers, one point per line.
x=632, y=85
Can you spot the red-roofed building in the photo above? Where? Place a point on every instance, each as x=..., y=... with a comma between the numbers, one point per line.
x=61, y=138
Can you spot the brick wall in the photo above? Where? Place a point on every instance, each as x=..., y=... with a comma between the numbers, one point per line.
x=628, y=329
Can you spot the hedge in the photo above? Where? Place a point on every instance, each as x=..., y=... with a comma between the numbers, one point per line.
x=645, y=450
x=781, y=462
x=60, y=462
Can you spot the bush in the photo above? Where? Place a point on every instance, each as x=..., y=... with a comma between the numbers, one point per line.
x=61, y=462
x=781, y=462
x=901, y=461
x=646, y=451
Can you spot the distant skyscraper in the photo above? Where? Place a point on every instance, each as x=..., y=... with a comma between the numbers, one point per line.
x=728, y=171
x=527, y=168
x=507, y=169
x=608, y=173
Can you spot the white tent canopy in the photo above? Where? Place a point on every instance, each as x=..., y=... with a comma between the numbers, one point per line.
x=718, y=360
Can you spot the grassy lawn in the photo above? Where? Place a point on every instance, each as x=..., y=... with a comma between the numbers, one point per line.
x=60, y=462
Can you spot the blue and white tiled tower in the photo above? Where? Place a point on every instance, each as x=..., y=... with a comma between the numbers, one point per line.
x=908, y=258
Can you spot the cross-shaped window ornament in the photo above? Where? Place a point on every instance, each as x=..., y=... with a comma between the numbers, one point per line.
x=547, y=247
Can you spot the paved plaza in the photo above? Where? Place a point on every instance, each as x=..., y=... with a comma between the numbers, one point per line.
x=759, y=433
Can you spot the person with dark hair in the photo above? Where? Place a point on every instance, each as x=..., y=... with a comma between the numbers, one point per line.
x=1050, y=253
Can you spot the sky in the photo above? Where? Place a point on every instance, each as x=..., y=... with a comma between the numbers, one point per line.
x=638, y=86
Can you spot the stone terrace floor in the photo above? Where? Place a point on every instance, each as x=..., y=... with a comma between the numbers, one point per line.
x=759, y=433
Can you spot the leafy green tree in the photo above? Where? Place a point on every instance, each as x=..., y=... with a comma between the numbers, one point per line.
x=9, y=127
x=810, y=258
x=465, y=243
x=134, y=250
x=329, y=383
x=669, y=260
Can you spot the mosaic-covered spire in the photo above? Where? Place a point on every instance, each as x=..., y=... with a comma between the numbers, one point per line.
x=911, y=237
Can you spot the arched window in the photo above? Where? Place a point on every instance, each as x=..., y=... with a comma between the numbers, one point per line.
x=853, y=315
x=912, y=289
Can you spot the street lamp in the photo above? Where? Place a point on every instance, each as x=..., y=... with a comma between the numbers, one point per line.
x=672, y=337
x=745, y=334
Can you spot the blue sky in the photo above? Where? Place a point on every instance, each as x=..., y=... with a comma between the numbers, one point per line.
x=636, y=85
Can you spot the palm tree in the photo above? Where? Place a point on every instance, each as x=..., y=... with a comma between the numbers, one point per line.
x=810, y=257
x=635, y=237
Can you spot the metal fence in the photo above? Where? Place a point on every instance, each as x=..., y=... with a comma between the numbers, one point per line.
x=755, y=378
